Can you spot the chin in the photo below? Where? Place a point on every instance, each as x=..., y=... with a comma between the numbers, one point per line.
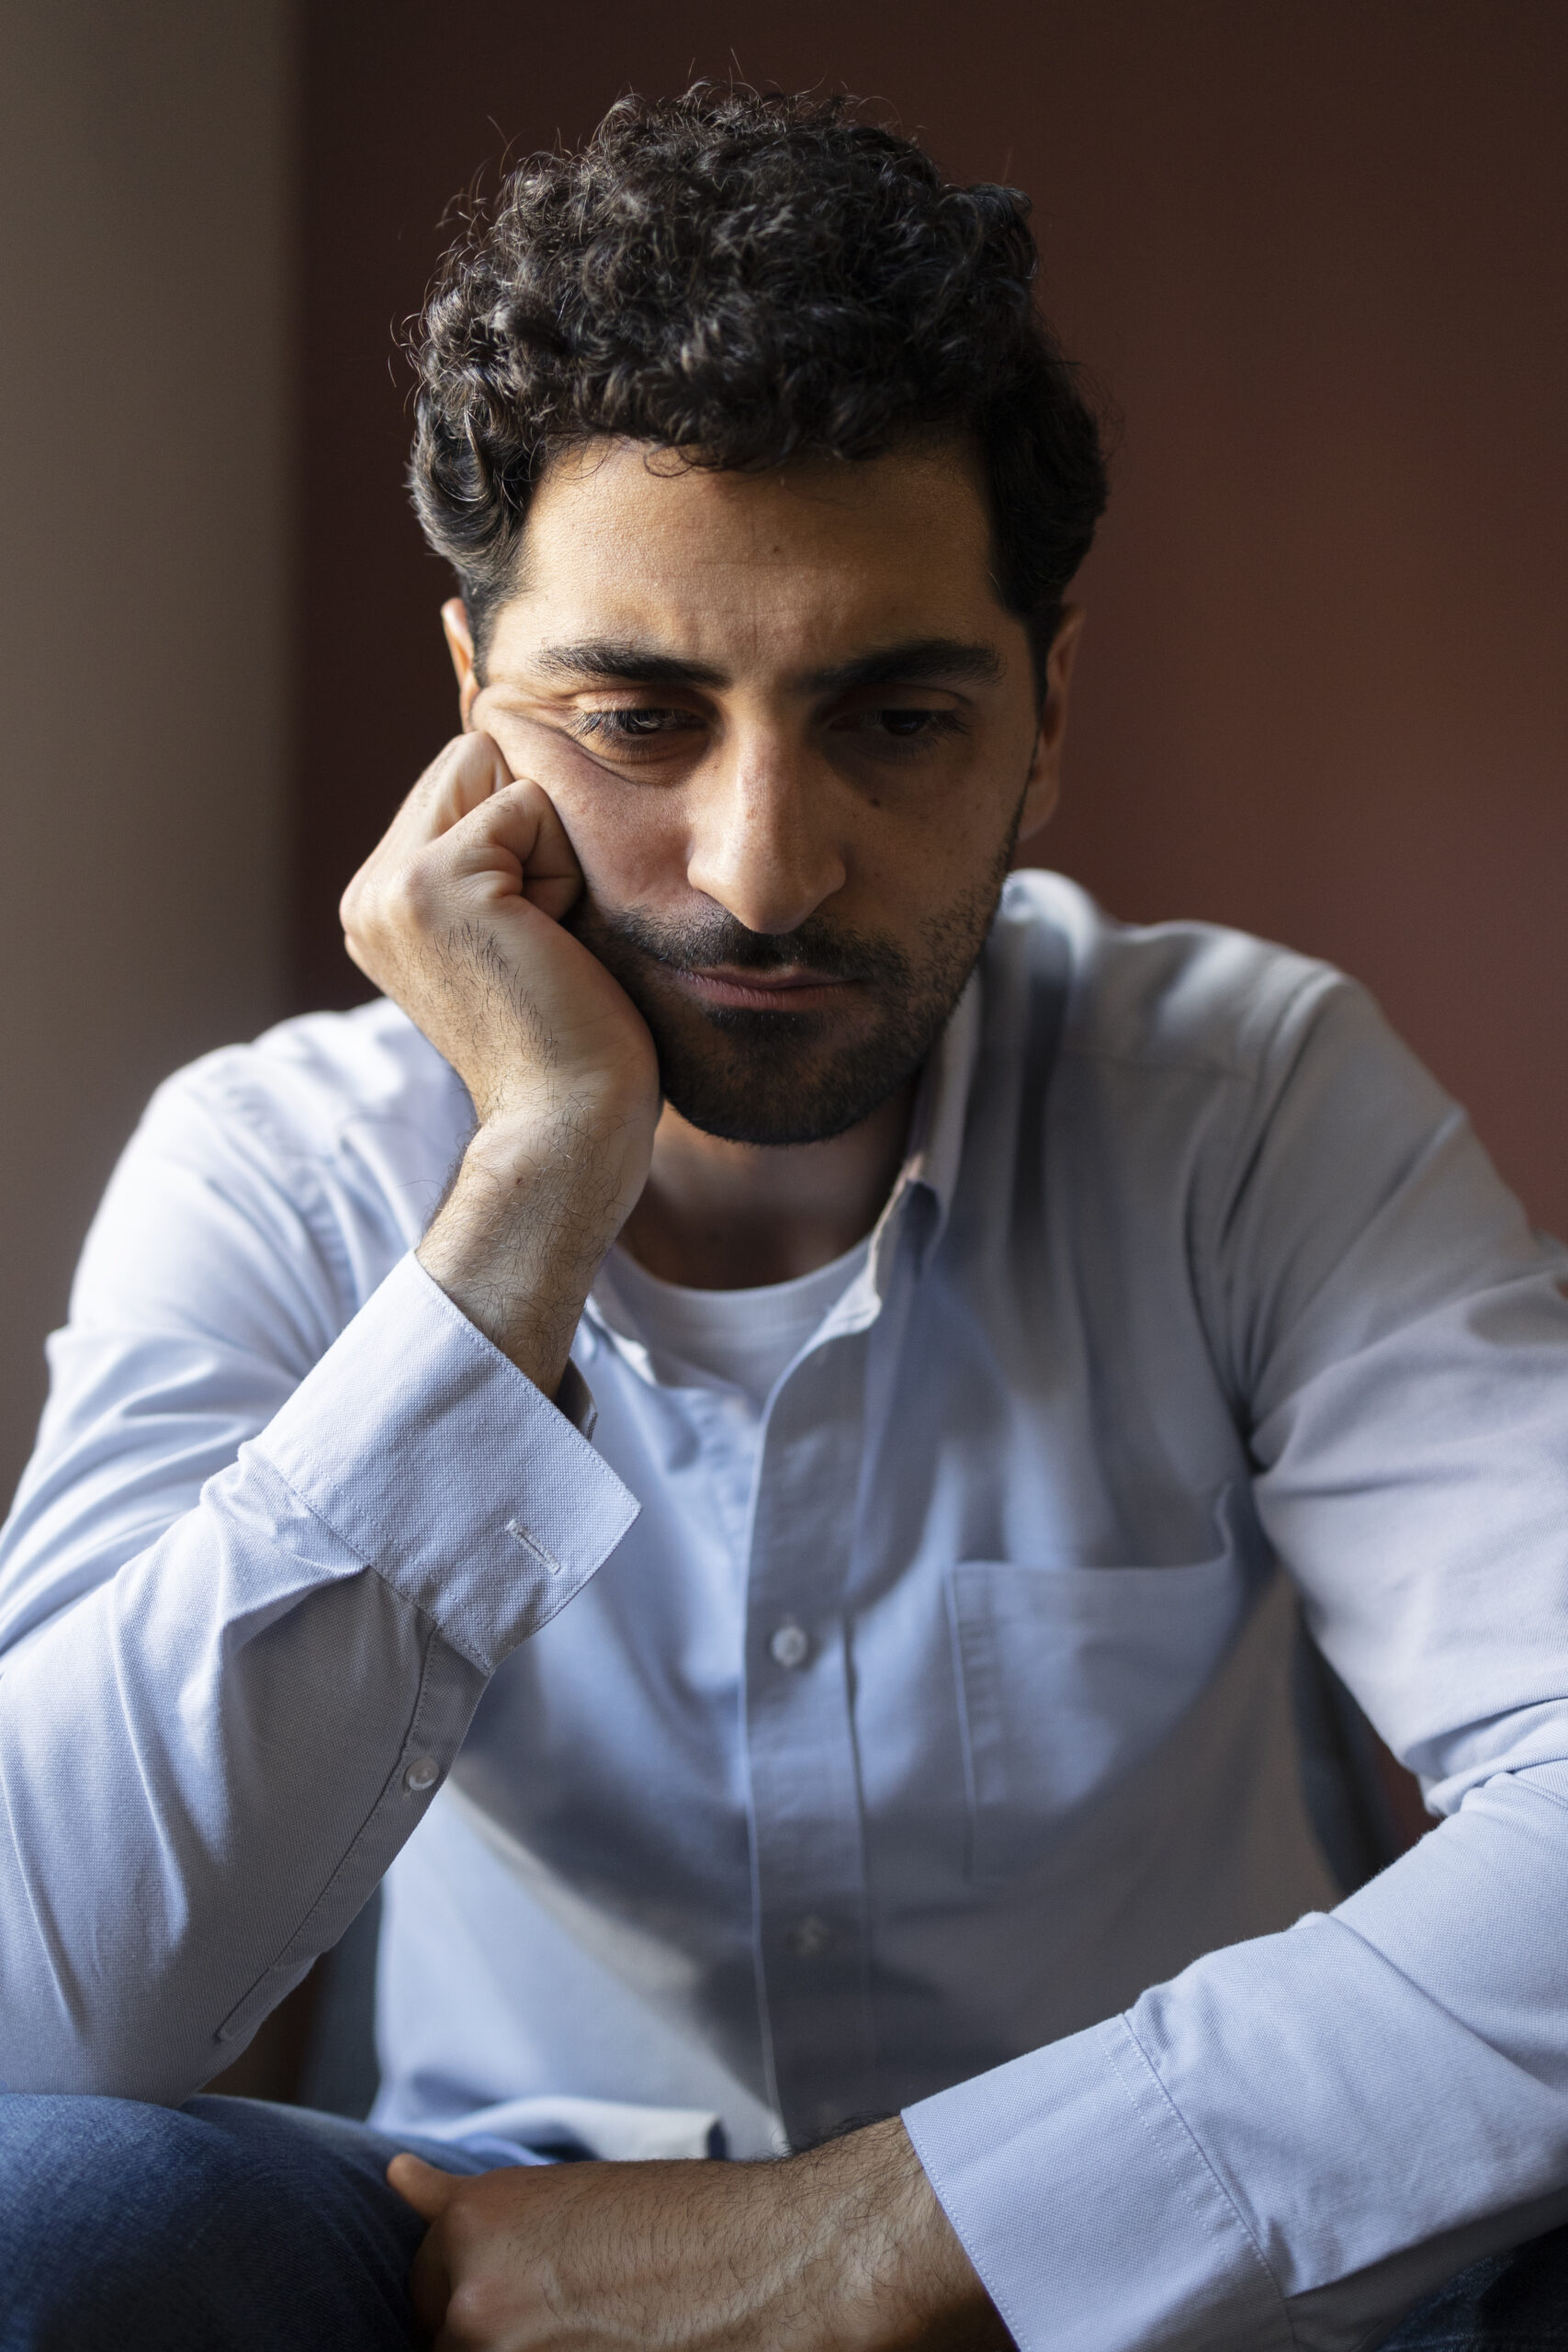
x=775, y=1091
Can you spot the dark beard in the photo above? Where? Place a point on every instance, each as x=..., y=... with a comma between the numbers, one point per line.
x=784, y=1078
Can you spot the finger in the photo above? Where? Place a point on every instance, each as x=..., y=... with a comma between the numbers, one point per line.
x=552, y=878
x=554, y=762
x=430, y=2284
x=424, y=2187
x=460, y=778
x=518, y=834
x=545, y=749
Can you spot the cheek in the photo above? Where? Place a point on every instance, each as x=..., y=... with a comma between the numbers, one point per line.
x=631, y=845
x=922, y=850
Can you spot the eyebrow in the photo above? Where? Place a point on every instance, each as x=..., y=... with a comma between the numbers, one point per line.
x=628, y=664
x=928, y=661
x=924, y=660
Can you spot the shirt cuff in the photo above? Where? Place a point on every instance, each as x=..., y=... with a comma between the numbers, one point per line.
x=445, y=1469
x=1089, y=2209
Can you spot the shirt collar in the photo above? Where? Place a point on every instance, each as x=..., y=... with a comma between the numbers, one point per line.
x=928, y=1178
x=941, y=1104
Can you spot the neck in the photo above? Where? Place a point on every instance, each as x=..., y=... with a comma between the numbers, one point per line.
x=717, y=1216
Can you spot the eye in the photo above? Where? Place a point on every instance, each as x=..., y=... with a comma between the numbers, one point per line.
x=635, y=724
x=909, y=724
x=902, y=724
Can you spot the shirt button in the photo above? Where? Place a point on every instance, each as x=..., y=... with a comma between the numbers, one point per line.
x=809, y=1938
x=422, y=1774
x=790, y=1646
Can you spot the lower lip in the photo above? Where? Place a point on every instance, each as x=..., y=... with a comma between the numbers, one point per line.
x=814, y=997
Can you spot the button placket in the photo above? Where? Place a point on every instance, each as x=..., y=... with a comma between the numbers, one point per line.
x=803, y=1780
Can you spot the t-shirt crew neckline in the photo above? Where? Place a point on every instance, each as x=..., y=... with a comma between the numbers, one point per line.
x=739, y=1338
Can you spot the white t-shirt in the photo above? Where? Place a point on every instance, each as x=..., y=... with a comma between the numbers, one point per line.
x=746, y=1338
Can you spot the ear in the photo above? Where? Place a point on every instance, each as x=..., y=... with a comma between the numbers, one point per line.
x=1046, y=764
x=460, y=645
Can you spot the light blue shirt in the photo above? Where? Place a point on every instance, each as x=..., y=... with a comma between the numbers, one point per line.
x=921, y=1743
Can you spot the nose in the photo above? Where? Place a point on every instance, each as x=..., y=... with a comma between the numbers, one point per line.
x=764, y=844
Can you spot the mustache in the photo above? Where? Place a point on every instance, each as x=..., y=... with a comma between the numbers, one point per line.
x=697, y=942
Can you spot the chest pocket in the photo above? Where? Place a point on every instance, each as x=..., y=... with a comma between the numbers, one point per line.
x=1071, y=1679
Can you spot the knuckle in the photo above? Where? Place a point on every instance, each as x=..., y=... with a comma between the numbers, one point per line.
x=459, y=2222
x=418, y=892
x=479, y=2310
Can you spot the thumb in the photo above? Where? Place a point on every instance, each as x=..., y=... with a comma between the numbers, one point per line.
x=424, y=2187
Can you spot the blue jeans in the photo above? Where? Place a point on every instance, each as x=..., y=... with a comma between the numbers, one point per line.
x=232, y=2226
x=227, y=2225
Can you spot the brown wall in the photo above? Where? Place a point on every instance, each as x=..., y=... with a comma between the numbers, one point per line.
x=1315, y=249
x=146, y=235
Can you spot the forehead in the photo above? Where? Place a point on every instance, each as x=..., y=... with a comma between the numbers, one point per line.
x=794, y=565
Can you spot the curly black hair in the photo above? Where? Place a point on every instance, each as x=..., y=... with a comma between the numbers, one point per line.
x=746, y=278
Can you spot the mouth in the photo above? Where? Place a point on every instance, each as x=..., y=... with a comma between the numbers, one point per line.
x=785, y=992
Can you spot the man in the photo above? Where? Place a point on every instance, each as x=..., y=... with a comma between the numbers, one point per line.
x=734, y=1437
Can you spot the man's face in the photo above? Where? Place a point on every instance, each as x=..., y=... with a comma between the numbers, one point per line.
x=792, y=735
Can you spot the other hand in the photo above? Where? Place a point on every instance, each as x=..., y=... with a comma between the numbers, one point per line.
x=845, y=2249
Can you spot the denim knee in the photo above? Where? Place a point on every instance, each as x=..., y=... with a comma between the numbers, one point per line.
x=1506, y=2302
x=132, y=2225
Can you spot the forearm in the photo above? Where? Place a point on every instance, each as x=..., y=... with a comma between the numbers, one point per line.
x=165, y=1876
x=844, y=2249
x=532, y=1210
x=208, y=1762
x=1298, y=2137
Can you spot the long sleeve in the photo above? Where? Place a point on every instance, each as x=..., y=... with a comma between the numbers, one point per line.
x=284, y=1518
x=1297, y=2137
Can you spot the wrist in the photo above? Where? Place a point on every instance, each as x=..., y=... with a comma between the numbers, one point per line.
x=903, y=2281
x=591, y=1143
x=530, y=1216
